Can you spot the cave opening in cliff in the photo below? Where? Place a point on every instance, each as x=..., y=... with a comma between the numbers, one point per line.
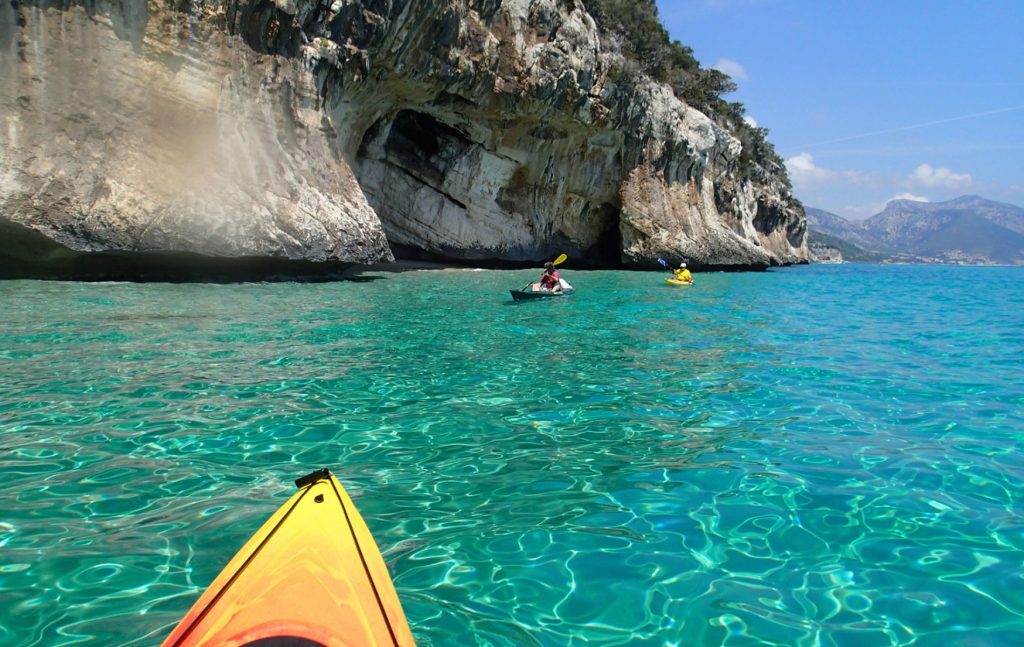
x=424, y=146
x=607, y=251
x=405, y=163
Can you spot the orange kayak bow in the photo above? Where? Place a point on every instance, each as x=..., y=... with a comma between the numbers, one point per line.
x=312, y=576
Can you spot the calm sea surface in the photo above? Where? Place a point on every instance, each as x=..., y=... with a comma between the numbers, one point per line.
x=829, y=455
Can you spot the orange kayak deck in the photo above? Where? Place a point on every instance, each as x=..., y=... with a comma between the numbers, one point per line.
x=311, y=576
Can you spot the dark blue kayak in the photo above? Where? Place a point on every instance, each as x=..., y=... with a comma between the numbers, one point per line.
x=530, y=295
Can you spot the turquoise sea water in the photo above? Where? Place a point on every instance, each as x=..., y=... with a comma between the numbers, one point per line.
x=829, y=455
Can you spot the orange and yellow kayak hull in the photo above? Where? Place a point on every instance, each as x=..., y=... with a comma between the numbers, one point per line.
x=312, y=574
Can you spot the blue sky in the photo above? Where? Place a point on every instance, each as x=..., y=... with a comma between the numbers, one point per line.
x=867, y=101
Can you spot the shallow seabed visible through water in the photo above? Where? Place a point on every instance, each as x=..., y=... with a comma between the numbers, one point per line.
x=827, y=455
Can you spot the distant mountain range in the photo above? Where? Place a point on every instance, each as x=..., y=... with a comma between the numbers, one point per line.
x=968, y=230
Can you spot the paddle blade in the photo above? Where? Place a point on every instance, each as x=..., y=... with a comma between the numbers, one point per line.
x=561, y=259
x=663, y=263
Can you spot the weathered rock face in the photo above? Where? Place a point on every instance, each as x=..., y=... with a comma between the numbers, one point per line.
x=491, y=130
x=498, y=132
x=139, y=131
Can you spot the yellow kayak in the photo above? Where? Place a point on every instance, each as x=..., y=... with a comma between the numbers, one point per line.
x=677, y=282
x=312, y=575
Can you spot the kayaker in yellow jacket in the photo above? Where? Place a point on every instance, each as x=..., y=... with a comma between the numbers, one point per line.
x=682, y=274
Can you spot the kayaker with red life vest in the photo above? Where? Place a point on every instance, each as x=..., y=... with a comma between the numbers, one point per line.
x=550, y=279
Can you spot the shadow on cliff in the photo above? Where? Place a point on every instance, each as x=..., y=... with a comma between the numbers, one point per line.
x=27, y=254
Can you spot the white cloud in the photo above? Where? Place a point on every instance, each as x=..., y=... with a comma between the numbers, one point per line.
x=909, y=196
x=732, y=68
x=750, y=121
x=864, y=211
x=926, y=175
x=803, y=170
x=1017, y=188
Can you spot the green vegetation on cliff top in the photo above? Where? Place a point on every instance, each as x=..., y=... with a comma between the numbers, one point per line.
x=645, y=43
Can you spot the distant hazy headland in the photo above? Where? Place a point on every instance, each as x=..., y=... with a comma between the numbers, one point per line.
x=968, y=230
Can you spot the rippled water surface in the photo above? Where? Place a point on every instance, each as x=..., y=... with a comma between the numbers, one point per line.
x=810, y=456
